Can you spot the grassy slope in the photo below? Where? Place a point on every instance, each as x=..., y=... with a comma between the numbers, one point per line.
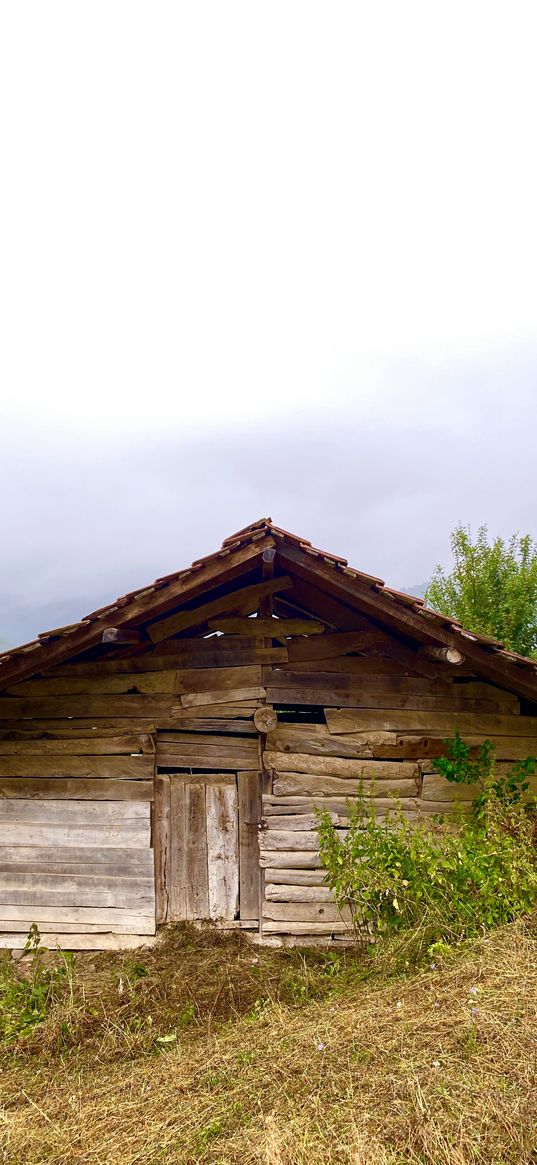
x=280, y=1058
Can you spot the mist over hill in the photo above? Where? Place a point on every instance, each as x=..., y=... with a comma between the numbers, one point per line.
x=22, y=621
x=417, y=589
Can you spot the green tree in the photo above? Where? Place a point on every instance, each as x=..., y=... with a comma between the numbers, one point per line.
x=492, y=588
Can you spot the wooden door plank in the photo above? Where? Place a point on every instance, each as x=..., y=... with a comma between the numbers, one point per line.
x=249, y=791
x=177, y=893
x=222, y=850
x=197, y=887
x=161, y=846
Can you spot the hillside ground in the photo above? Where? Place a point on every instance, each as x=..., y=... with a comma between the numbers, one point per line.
x=207, y=1049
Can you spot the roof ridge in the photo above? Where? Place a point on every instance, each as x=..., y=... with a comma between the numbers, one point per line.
x=252, y=528
x=251, y=534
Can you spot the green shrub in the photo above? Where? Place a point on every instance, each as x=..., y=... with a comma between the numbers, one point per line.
x=26, y=999
x=450, y=880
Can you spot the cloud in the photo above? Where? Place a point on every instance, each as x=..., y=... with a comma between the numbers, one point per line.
x=260, y=259
x=382, y=482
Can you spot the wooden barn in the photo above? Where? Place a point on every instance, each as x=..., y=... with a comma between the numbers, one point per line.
x=161, y=759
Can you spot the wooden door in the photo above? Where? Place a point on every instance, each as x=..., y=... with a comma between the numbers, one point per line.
x=205, y=839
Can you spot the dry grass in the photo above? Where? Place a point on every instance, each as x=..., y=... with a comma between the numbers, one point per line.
x=288, y=1060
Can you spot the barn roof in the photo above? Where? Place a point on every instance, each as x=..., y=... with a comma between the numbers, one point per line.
x=405, y=613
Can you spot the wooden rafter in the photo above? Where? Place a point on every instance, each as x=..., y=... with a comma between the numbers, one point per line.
x=236, y=600
x=215, y=572
x=406, y=621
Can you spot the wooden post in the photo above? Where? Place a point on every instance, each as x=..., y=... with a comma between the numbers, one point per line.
x=442, y=654
x=117, y=635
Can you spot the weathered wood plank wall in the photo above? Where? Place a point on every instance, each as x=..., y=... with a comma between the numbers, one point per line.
x=77, y=760
x=381, y=726
x=81, y=796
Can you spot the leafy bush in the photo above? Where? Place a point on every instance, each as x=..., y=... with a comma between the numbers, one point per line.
x=492, y=587
x=449, y=880
x=477, y=767
x=26, y=999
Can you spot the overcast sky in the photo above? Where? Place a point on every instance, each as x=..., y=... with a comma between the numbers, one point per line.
x=261, y=259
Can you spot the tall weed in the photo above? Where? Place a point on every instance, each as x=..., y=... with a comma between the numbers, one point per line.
x=445, y=881
x=26, y=998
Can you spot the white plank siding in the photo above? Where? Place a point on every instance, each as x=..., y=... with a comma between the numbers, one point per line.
x=76, y=867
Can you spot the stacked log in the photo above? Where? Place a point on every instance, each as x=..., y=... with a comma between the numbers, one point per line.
x=381, y=728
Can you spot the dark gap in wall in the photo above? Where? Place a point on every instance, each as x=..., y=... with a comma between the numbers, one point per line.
x=527, y=707
x=173, y=770
x=304, y=713
x=233, y=733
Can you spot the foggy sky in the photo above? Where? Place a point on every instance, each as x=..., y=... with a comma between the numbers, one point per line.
x=260, y=260
x=384, y=485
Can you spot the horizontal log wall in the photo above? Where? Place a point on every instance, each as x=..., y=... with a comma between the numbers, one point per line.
x=85, y=733
x=382, y=726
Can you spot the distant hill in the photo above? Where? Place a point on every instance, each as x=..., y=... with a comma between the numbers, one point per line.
x=21, y=622
x=418, y=589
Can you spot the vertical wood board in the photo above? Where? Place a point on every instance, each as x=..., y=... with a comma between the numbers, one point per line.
x=197, y=882
x=161, y=843
x=249, y=803
x=222, y=851
x=177, y=891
